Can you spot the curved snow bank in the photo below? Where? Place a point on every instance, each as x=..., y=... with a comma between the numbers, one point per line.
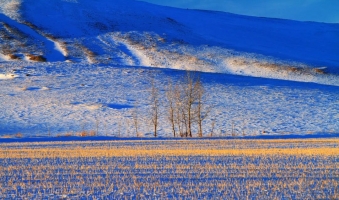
x=152, y=50
x=284, y=71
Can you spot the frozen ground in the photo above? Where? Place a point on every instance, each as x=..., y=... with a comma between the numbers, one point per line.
x=265, y=76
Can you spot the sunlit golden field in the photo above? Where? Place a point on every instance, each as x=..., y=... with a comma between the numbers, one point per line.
x=171, y=169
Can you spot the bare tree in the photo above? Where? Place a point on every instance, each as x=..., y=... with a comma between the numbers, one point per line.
x=105, y=127
x=243, y=129
x=190, y=99
x=170, y=94
x=135, y=119
x=233, y=133
x=196, y=109
x=180, y=112
x=49, y=131
x=155, y=104
x=212, y=127
x=176, y=110
x=97, y=126
x=202, y=111
x=186, y=105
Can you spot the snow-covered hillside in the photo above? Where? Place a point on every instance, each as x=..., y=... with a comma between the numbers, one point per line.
x=136, y=33
x=101, y=53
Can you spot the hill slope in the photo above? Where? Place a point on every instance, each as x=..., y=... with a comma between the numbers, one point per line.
x=135, y=33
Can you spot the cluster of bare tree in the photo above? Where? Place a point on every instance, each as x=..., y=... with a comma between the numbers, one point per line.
x=186, y=107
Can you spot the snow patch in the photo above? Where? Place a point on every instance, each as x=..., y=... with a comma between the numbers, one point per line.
x=3, y=57
x=58, y=47
x=87, y=106
x=8, y=76
x=44, y=88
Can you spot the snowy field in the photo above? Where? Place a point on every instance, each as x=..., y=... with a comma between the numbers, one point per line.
x=171, y=169
x=262, y=76
x=66, y=98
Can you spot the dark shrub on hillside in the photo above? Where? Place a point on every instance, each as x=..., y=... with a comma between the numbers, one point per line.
x=37, y=58
x=320, y=71
x=13, y=56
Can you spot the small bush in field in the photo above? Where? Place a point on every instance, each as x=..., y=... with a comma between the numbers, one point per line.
x=92, y=133
x=86, y=133
x=18, y=135
x=83, y=134
x=68, y=134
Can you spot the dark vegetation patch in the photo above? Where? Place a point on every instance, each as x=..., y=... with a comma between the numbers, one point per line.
x=37, y=58
x=13, y=57
x=172, y=20
x=320, y=71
